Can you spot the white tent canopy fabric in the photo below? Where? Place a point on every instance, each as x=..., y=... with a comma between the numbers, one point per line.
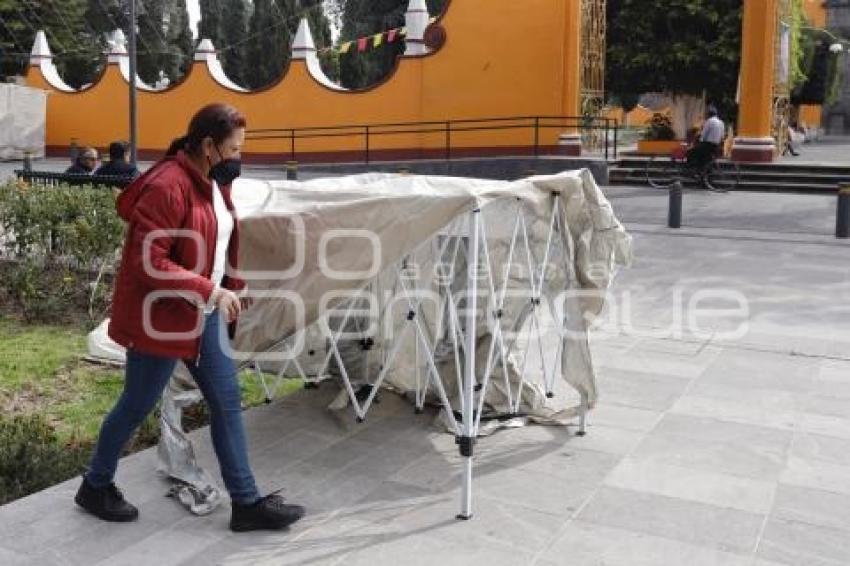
x=23, y=116
x=473, y=294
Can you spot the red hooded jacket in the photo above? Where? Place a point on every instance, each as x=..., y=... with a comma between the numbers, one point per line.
x=164, y=279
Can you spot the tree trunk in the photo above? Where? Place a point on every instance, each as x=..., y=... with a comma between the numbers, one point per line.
x=687, y=111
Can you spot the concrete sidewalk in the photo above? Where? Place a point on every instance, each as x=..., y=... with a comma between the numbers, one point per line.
x=705, y=449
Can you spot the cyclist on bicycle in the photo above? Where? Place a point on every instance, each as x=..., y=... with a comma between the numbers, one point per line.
x=710, y=142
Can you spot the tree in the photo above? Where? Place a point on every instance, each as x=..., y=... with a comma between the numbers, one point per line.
x=271, y=31
x=234, y=12
x=686, y=49
x=363, y=18
x=75, y=46
x=210, y=25
x=180, y=40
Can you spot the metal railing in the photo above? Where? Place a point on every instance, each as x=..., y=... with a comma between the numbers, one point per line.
x=588, y=127
x=53, y=179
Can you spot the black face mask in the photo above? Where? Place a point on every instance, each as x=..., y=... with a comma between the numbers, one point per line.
x=226, y=170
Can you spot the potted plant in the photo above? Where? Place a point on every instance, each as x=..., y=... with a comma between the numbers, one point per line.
x=659, y=136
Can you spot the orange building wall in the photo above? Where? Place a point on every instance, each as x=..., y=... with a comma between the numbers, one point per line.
x=501, y=58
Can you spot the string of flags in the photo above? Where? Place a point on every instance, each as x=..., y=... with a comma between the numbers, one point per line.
x=374, y=41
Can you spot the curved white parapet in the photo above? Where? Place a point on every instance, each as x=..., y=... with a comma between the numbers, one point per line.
x=206, y=53
x=304, y=49
x=118, y=56
x=416, y=20
x=42, y=58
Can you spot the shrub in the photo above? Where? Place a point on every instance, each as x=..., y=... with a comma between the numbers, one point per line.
x=33, y=458
x=58, y=243
x=659, y=128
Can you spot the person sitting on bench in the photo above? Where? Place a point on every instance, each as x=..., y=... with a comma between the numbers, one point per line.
x=85, y=163
x=118, y=164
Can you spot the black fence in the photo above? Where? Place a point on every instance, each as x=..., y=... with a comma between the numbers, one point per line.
x=598, y=133
x=52, y=179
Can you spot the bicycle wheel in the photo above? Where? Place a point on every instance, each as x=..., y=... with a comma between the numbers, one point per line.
x=661, y=172
x=722, y=176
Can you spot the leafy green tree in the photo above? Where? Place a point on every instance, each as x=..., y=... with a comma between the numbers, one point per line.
x=363, y=18
x=683, y=48
x=233, y=39
x=180, y=40
x=210, y=25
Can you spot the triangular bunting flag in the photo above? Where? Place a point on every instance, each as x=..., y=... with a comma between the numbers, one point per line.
x=345, y=47
x=391, y=35
x=432, y=20
x=361, y=44
x=403, y=31
x=377, y=39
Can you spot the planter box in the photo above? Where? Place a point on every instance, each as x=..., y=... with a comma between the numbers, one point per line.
x=658, y=147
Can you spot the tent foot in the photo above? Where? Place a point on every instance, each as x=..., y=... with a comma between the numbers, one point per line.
x=462, y=517
x=550, y=395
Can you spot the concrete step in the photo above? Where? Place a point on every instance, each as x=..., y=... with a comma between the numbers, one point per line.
x=773, y=177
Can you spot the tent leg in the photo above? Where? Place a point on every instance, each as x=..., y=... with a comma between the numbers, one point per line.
x=582, y=417
x=466, y=441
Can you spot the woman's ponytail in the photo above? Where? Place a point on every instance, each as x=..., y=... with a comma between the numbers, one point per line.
x=177, y=145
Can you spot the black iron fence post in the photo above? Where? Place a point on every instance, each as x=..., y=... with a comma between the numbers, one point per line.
x=616, y=137
x=291, y=170
x=448, y=140
x=674, y=211
x=367, y=144
x=27, y=161
x=842, y=212
x=537, y=136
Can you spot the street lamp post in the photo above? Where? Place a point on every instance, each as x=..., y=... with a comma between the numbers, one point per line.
x=131, y=53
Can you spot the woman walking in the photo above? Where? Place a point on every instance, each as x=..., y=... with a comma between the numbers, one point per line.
x=175, y=299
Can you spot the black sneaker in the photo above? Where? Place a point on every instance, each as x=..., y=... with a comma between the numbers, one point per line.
x=267, y=513
x=106, y=503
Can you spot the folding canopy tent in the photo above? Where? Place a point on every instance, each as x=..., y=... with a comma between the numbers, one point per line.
x=436, y=286
x=23, y=115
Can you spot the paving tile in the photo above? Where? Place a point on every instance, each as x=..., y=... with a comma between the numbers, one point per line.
x=177, y=546
x=828, y=406
x=801, y=544
x=638, y=389
x=712, y=445
x=629, y=418
x=725, y=529
x=760, y=407
x=748, y=369
x=547, y=493
x=825, y=425
x=588, y=544
x=817, y=475
x=822, y=448
x=812, y=506
x=722, y=490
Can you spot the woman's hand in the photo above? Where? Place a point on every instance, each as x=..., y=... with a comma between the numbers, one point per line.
x=228, y=303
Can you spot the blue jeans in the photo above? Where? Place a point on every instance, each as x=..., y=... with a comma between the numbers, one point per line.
x=145, y=379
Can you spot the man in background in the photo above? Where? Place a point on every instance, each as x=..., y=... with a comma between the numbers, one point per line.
x=118, y=165
x=710, y=140
x=85, y=163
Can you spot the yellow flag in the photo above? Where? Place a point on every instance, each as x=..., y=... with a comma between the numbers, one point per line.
x=434, y=19
x=403, y=31
x=345, y=47
x=378, y=39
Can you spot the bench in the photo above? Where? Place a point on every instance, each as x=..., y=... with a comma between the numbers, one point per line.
x=53, y=178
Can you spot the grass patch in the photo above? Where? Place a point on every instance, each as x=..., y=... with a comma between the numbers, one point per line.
x=42, y=372
x=52, y=404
